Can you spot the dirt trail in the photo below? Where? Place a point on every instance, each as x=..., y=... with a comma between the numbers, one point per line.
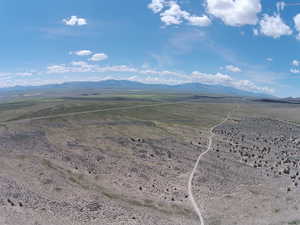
x=190, y=191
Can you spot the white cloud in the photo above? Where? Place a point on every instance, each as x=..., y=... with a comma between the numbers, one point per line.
x=295, y=62
x=82, y=67
x=250, y=86
x=156, y=5
x=213, y=79
x=269, y=59
x=98, y=57
x=273, y=26
x=121, y=68
x=226, y=80
x=280, y=6
x=79, y=63
x=297, y=22
x=295, y=71
x=297, y=25
x=201, y=21
x=255, y=32
x=74, y=20
x=24, y=74
x=235, y=12
x=82, y=53
x=233, y=69
x=174, y=15
x=53, y=69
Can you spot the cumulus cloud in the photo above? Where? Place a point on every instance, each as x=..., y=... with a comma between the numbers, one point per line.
x=233, y=69
x=213, y=79
x=295, y=71
x=235, y=12
x=273, y=26
x=82, y=53
x=174, y=15
x=157, y=5
x=201, y=21
x=269, y=59
x=297, y=25
x=295, y=62
x=226, y=80
x=98, y=57
x=75, y=21
x=280, y=6
x=250, y=86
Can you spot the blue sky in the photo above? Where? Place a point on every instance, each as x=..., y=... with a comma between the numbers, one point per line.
x=248, y=44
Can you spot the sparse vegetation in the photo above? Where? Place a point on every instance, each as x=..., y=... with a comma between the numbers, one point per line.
x=294, y=222
x=136, y=160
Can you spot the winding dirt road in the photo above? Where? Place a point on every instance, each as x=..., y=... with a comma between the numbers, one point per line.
x=190, y=191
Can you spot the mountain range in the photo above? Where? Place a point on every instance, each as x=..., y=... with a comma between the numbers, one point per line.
x=126, y=85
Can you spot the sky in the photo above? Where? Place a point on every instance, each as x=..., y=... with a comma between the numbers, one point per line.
x=251, y=45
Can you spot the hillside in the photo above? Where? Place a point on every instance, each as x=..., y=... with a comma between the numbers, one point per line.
x=90, y=161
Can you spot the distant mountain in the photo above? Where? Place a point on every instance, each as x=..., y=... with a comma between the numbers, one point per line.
x=281, y=100
x=293, y=100
x=125, y=85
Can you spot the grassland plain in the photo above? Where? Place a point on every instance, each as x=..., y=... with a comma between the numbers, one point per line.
x=126, y=159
